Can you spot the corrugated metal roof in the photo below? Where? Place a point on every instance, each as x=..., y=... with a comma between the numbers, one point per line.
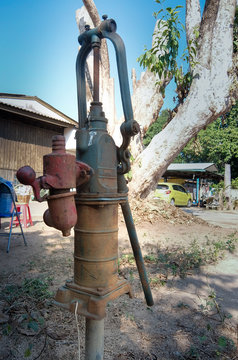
x=193, y=167
x=35, y=105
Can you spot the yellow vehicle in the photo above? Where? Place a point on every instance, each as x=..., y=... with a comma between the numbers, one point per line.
x=175, y=194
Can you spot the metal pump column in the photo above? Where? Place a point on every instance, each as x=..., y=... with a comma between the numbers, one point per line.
x=97, y=173
x=96, y=232
x=94, y=336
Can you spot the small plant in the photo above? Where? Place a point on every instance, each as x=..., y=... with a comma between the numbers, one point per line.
x=192, y=353
x=181, y=305
x=157, y=282
x=231, y=243
x=27, y=352
x=151, y=258
x=131, y=275
x=210, y=304
x=128, y=258
x=7, y=329
x=225, y=343
x=36, y=289
x=131, y=317
x=31, y=265
x=184, y=260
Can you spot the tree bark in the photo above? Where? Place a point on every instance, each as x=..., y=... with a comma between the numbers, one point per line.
x=93, y=13
x=193, y=18
x=208, y=98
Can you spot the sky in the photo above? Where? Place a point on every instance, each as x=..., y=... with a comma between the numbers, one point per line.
x=39, y=46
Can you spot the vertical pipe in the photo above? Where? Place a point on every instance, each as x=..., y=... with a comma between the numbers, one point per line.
x=94, y=339
x=137, y=252
x=96, y=54
x=197, y=192
x=227, y=181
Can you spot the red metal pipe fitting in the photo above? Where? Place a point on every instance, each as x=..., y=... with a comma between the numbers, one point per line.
x=61, y=174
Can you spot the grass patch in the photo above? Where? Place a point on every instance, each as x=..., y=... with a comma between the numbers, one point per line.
x=36, y=289
x=181, y=261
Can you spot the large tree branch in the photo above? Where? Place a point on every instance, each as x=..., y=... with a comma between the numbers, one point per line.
x=222, y=47
x=93, y=12
x=193, y=18
x=206, y=32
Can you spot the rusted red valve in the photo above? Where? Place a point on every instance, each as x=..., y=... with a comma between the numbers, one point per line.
x=61, y=174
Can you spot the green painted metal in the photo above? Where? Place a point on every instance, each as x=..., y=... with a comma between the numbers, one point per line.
x=137, y=252
x=96, y=147
x=130, y=127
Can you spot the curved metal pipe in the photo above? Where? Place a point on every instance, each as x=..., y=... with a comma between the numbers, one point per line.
x=81, y=83
x=122, y=72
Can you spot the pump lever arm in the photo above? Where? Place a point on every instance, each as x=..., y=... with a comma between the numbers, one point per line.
x=122, y=72
x=130, y=127
x=81, y=84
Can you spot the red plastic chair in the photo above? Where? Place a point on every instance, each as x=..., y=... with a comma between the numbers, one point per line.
x=25, y=219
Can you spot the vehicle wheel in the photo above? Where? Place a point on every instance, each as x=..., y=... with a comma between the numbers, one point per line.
x=189, y=203
x=172, y=202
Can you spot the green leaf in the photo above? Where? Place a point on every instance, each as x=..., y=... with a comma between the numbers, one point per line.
x=33, y=325
x=27, y=352
x=209, y=327
x=222, y=341
x=202, y=338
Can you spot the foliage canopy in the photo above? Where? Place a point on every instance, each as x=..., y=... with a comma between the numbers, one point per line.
x=156, y=127
x=163, y=58
x=218, y=143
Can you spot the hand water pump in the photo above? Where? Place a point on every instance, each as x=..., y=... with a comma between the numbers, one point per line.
x=98, y=176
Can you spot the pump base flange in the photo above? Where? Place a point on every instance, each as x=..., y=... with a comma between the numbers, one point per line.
x=91, y=302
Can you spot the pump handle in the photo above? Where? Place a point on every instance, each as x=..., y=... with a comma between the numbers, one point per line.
x=27, y=176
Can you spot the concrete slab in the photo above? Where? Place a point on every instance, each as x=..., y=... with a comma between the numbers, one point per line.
x=224, y=218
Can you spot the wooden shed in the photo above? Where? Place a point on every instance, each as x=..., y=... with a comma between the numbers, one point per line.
x=27, y=125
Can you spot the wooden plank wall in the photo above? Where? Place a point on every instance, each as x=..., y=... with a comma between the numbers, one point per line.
x=23, y=144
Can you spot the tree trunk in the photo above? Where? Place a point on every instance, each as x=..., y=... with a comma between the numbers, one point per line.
x=208, y=98
x=193, y=18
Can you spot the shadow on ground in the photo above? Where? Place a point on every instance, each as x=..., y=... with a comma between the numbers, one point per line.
x=191, y=318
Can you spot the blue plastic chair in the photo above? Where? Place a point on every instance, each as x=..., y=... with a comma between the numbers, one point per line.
x=8, y=208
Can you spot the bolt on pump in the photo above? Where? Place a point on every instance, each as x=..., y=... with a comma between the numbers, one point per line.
x=98, y=176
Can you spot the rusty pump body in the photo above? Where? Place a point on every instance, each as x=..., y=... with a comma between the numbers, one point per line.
x=98, y=175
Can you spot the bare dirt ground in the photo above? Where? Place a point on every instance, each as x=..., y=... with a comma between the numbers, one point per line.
x=193, y=270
